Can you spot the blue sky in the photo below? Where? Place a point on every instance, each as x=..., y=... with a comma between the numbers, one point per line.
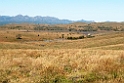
x=97, y=10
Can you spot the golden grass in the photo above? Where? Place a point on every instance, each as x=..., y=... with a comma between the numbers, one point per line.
x=90, y=60
x=61, y=66
x=92, y=43
x=10, y=35
x=30, y=40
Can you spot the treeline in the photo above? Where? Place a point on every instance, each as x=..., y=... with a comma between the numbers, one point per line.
x=106, y=28
x=87, y=28
x=52, y=28
x=70, y=28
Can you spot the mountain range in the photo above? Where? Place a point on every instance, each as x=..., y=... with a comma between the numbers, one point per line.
x=36, y=19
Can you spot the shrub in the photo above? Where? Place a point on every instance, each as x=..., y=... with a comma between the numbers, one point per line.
x=81, y=37
x=90, y=36
x=69, y=37
x=75, y=38
x=18, y=36
x=62, y=35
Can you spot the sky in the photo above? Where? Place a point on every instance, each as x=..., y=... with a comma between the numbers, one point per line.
x=97, y=10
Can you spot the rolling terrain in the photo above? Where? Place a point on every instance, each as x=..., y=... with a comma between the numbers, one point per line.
x=43, y=53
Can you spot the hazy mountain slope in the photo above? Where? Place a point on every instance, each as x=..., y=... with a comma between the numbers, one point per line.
x=36, y=19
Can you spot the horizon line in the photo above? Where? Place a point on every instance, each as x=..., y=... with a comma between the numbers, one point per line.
x=60, y=18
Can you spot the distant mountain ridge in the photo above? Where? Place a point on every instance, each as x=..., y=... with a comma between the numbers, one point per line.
x=36, y=19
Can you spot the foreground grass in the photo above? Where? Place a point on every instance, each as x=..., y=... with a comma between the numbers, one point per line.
x=61, y=66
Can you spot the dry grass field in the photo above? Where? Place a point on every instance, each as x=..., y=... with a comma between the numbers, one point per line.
x=61, y=66
x=49, y=58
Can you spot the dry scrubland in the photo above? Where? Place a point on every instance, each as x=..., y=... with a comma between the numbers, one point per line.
x=61, y=66
x=44, y=59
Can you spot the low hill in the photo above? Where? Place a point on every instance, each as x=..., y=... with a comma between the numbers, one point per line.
x=72, y=27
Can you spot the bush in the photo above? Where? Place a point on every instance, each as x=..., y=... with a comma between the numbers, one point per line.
x=75, y=38
x=62, y=35
x=81, y=37
x=69, y=38
x=18, y=36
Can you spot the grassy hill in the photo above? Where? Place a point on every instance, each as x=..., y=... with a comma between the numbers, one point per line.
x=46, y=56
x=54, y=40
